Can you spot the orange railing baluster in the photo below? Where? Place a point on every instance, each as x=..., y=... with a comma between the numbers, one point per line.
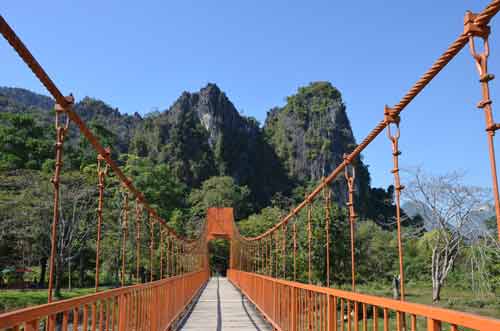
x=414, y=323
x=342, y=319
x=75, y=319
x=386, y=319
x=65, y=321
x=365, y=322
x=32, y=325
x=85, y=318
x=349, y=319
x=93, y=317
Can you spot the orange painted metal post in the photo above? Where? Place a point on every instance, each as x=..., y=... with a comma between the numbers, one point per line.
x=271, y=255
x=350, y=177
x=124, y=239
x=334, y=313
x=293, y=310
x=294, y=251
x=138, y=220
x=231, y=247
x=433, y=325
x=268, y=253
x=275, y=300
x=177, y=259
x=329, y=313
x=264, y=255
x=152, y=222
x=161, y=252
x=153, y=311
x=309, y=310
x=284, y=250
x=392, y=117
x=254, y=257
x=61, y=130
x=274, y=239
x=258, y=258
x=170, y=253
x=101, y=174
x=121, y=313
x=181, y=260
x=309, y=237
x=327, y=197
x=473, y=30
x=32, y=325
x=356, y=314
x=240, y=261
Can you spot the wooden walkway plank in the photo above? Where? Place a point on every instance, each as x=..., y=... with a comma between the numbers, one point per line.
x=222, y=307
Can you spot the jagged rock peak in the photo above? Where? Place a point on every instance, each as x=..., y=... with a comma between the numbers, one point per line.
x=311, y=132
x=215, y=111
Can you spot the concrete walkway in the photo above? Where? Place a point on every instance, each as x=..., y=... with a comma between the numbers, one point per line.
x=222, y=307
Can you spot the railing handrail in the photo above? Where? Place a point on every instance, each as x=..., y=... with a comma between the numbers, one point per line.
x=31, y=313
x=468, y=320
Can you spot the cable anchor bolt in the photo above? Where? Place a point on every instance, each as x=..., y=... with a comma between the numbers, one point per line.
x=472, y=29
x=391, y=115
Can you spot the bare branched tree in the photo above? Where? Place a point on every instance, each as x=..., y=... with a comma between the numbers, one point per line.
x=447, y=206
x=75, y=225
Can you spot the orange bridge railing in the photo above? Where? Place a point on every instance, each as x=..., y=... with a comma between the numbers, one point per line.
x=293, y=306
x=155, y=306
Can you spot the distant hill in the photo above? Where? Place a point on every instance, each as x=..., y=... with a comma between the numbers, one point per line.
x=202, y=135
x=17, y=100
x=26, y=98
x=476, y=226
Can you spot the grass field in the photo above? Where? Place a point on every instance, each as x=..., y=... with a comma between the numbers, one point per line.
x=16, y=299
x=451, y=297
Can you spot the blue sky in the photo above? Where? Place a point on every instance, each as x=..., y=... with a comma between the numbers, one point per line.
x=139, y=55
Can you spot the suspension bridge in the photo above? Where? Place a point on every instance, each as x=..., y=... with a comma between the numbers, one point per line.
x=262, y=290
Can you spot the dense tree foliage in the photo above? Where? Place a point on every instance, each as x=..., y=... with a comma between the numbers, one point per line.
x=23, y=143
x=219, y=192
x=202, y=154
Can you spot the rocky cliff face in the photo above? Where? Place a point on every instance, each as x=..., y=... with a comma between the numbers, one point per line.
x=122, y=126
x=311, y=133
x=202, y=135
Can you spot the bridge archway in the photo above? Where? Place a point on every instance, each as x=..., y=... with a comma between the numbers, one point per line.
x=220, y=223
x=220, y=231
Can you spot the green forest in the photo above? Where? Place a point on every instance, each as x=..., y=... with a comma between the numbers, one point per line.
x=183, y=166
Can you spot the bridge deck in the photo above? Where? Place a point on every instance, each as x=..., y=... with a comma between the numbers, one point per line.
x=222, y=307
